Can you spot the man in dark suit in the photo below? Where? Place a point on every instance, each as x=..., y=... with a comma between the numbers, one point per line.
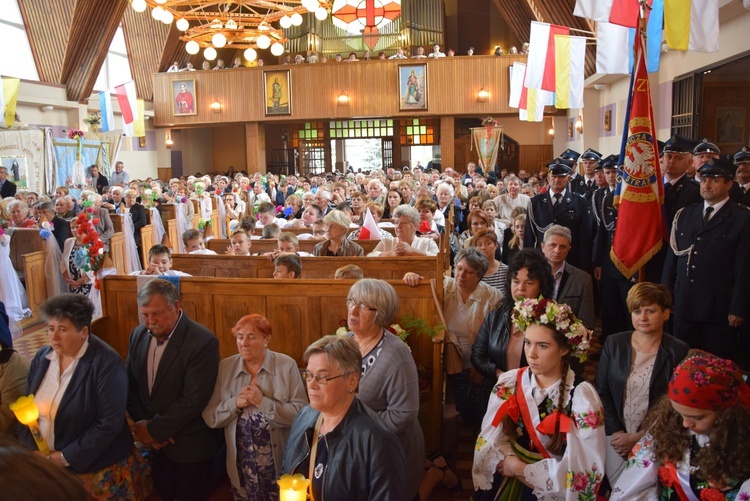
x=586, y=183
x=707, y=267
x=680, y=190
x=613, y=285
x=572, y=286
x=570, y=158
x=7, y=187
x=560, y=206
x=742, y=177
x=172, y=366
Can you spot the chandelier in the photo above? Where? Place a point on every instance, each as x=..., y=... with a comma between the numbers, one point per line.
x=241, y=24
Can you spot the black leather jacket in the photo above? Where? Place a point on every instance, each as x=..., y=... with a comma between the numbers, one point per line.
x=364, y=460
x=614, y=368
x=489, y=351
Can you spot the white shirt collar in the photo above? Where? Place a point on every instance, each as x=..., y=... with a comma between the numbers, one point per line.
x=717, y=206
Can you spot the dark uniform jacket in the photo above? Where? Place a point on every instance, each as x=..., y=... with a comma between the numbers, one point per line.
x=574, y=213
x=712, y=280
x=579, y=185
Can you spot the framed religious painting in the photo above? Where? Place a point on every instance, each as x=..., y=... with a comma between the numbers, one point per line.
x=412, y=86
x=183, y=98
x=277, y=92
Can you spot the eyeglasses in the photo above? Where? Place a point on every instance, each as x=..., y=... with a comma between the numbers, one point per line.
x=322, y=380
x=351, y=304
x=319, y=232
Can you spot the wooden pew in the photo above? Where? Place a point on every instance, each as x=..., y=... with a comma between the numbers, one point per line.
x=219, y=245
x=24, y=241
x=312, y=267
x=297, y=231
x=147, y=240
x=300, y=311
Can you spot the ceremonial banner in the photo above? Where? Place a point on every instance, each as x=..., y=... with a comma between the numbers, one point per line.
x=23, y=153
x=639, y=192
x=486, y=140
x=570, y=57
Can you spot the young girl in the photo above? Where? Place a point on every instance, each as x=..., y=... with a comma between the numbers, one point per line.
x=543, y=434
x=696, y=446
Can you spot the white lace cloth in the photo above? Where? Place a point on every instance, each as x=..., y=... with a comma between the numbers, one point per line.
x=12, y=292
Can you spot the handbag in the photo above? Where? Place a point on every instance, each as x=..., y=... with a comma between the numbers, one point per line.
x=452, y=353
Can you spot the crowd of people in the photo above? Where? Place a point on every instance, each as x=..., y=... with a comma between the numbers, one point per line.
x=312, y=57
x=531, y=271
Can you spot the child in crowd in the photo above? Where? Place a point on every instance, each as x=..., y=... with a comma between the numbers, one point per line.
x=349, y=272
x=194, y=243
x=287, y=266
x=240, y=244
x=160, y=263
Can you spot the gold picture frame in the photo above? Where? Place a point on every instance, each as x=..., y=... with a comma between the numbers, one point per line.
x=412, y=87
x=277, y=92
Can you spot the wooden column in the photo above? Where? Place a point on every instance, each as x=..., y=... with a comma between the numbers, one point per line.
x=255, y=144
x=447, y=142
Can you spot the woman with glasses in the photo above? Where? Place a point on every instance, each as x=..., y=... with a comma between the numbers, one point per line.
x=336, y=243
x=337, y=442
x=406, y=243
x=258, y=393
x=388, y=384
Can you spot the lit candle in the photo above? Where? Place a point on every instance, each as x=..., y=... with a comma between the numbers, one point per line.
x=293, y=487
x=27, y=413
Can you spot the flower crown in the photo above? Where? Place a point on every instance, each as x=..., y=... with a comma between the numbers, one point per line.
x=557, y=316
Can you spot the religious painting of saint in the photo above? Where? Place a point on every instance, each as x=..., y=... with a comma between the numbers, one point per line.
x=17, y=170
x=277, y=92
x=184, y=101
x=412, y=84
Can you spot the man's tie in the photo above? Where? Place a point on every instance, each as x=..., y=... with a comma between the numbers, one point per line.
x=707, y=215
x=558, y=197
x=589, y=183
x=667, y=185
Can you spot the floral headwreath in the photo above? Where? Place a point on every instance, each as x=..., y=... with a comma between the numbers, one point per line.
x=556, y=316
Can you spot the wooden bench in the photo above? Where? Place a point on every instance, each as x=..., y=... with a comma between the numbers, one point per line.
x=300, y=311
x=297, y=231
x=202, y=265
x=219, y=245
x=24, y=241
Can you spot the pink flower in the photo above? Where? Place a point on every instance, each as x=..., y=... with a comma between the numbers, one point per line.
x=593, y=419
x=580, y=482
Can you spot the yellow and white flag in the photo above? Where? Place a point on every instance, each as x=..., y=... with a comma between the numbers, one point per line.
x=570, y=56
x=692, y=24
x=8, y=100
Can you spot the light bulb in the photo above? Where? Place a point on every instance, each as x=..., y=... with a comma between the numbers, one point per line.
x=231, y=24
x=157, y=13
x=161, y=2
x=263, y=41
x=167, y=17
x=219, y=40
x=250, y=54
x=182, y=24
x=285, y=22
x=216, y=24
x=209, y=53
x=310, y=5
x=296, y=19
x=321, y=14
x=139, y=5
x=277, y=49
x=192, y=47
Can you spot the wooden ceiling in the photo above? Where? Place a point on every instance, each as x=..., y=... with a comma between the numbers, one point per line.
x=69, y=39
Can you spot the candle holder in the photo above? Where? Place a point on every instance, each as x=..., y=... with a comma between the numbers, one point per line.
x=27, y=413
x=293, y=487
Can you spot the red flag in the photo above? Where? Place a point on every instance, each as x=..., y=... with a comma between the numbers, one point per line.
x=640, y=193
x=625, y=12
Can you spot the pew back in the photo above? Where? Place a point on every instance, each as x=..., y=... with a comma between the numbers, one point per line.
x=219, y=245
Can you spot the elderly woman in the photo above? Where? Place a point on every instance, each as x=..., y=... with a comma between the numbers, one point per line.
x=406, y=243
x=511, y=200
x=543, y=434
x=78, y=280
x=80, y=387
x=258, y=393
x=634, y=371
x=696, y=445
x=19, y=215
x=499, y=344
x=337, y=441
x=388, y=384
x=466, y=301
x=336, y=243
x=485, y=241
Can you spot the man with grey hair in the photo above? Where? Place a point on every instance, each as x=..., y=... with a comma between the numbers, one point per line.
x=119, y=177
x=172, y=366
x=572, y=286
x=511, y=200
x=375, y=191
x=323, y=200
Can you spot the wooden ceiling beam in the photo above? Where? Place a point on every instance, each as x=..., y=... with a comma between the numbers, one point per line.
x=95, y=25
x=145, y=39
x=47, y=39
